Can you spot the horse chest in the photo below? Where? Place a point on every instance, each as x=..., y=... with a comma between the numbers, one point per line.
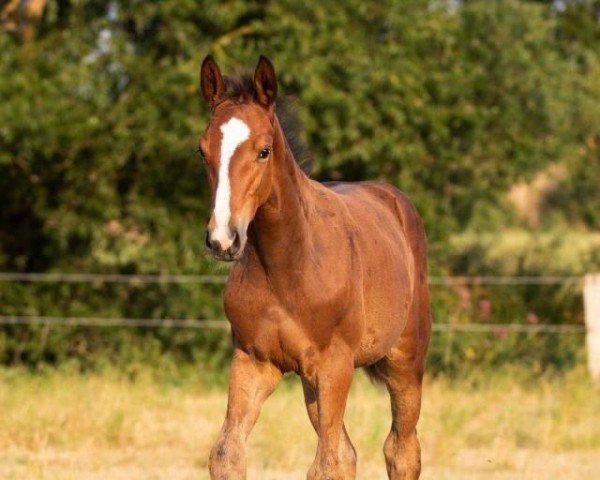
x=284, y=330
x=263, y=328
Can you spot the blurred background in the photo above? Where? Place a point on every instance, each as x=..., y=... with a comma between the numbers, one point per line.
x=486, y=113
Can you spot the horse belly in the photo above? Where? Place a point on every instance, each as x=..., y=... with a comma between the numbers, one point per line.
x=382, y=330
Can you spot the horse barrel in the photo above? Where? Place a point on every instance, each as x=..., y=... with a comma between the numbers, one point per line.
x=591, y=294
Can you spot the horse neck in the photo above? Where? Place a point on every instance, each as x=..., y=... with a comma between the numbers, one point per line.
x=281, y=232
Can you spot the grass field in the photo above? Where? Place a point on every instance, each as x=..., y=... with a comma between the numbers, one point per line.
x=510, y=425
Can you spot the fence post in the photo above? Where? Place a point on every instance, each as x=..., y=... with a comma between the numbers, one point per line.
x=591, y=296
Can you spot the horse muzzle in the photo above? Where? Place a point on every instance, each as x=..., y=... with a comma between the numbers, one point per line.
x=224, y=248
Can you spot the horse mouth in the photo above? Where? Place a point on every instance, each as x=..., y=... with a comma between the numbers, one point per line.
x=227, y=256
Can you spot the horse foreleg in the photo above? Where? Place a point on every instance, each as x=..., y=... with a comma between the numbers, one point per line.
x=250, y=383
x=347, y=452
x=326, y=393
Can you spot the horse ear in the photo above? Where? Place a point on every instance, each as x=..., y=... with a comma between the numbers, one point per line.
x=211, y=81
x=265, y=82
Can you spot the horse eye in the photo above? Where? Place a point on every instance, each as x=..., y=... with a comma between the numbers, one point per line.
x=201, y=153
x=264, y=153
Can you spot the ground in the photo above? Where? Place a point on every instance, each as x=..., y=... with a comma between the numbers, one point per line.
x=64, y=425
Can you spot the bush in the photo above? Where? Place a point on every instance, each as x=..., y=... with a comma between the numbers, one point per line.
x=453, y=103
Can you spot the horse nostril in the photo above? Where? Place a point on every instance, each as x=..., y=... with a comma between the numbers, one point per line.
x=235, y=246
x=207, y=241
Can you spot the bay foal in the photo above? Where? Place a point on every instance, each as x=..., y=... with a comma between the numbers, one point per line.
x=327, y=278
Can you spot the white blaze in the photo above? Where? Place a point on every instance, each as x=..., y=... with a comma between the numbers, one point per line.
x=235, y=132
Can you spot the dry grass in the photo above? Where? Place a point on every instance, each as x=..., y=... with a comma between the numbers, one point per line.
x=66, y=426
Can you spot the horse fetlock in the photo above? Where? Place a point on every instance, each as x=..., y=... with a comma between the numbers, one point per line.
x=330, y=468
x=227, y=461
x=402, y=456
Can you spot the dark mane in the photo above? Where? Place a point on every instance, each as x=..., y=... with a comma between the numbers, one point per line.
x=241, y=89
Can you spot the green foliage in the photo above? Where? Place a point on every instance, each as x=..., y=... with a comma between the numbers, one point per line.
x=452, y=102
x=514, y=252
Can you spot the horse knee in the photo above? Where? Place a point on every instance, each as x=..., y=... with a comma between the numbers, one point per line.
x=402, y=456
x=328, y=469
x=328, y=466
x=227, y=460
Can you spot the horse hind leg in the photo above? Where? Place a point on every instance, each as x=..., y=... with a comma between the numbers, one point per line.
x=402, y=372
x=401, y=449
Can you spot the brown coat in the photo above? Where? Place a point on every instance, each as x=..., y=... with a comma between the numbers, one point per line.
x=328, y=277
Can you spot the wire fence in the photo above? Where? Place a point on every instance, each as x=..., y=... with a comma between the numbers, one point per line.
x=114, y=322
x=221, y=324
x=109, y=278
x=219, y=279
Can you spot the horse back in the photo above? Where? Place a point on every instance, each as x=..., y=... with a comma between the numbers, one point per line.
x=378, y=197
